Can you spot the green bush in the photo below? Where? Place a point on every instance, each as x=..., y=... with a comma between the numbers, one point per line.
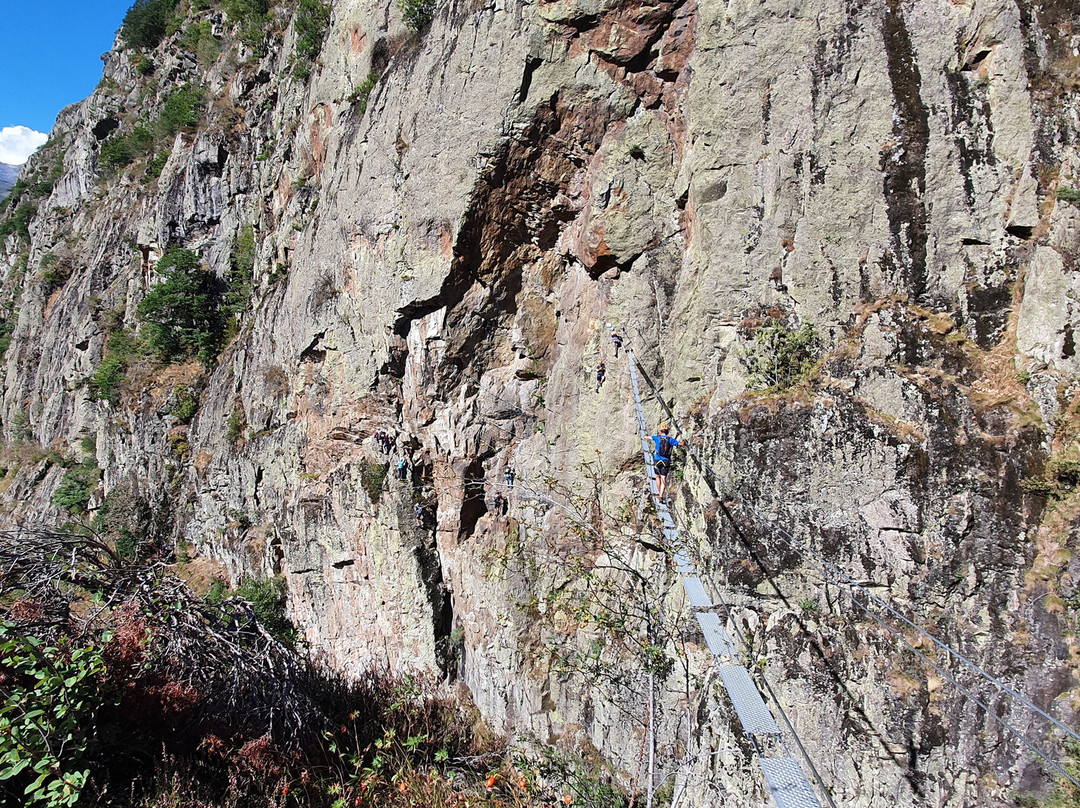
x=183, y=110
x=73, y=493
x=779, y=356
x=185, y=404
x=156, y=164
x=312, y=20
x=7, y=328
x=1066, y=193
x=252, y=20
x=241, y=269
x=146, y=23
x=19, y=221
x=180, y=315
x=117, y=152
x=52, y=695
x=372, y=477
x=359, y=96
x=240, y=10
x=108, y=380
x=267, y=599
x=235, y=426
x=417, y=13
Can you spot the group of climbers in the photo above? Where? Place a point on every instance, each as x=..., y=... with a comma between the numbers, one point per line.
x=385, y=441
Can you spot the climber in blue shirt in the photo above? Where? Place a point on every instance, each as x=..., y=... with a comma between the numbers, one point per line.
x=662, y=458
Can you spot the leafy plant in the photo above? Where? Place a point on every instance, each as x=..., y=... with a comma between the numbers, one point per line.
x=47, y=718
x=417, y=13
x=180, y=315
x=108, y=380
x=183, y=110
x=19, y=222
x=78, y=483
x=267, y=599
x=252, y=19
x=780, y=356
x=241, y=270
x=7, y=327
x=372, y=477
x=146, y=23
x=156, y=164
x=359, y=96
x=185, y=404
x=234, y=427
x=1067, y=193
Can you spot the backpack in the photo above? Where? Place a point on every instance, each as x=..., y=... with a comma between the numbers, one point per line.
x=663, y=447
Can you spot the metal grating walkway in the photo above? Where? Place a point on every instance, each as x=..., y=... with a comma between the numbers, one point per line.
x=783, y=775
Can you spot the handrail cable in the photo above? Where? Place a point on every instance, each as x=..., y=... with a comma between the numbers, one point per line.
x=836, y=571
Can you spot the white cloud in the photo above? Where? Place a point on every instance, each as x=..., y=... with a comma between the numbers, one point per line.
x=19, y=142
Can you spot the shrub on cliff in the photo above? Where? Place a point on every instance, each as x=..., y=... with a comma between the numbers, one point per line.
x=19, y=221
x=183, y=110
x=417, y=13
x=146, y=23
x=779, y=355
x=180, y=315
x=73, y=493
x=108, y=380
x=312, y=20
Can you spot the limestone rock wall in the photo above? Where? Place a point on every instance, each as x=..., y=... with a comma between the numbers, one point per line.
x=441, y=259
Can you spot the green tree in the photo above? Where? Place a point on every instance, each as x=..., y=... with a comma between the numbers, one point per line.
x=108, y=380
x=146, y=23
x=180, y=315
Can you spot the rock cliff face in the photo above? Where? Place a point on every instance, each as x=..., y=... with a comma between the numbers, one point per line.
x=438, y=254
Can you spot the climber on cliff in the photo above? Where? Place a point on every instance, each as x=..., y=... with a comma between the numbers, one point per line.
x=500, y=504
x=508, y=477
x=402, y=469
x=601, y=373
x=616, y=340
x=662, y=458
x=418, y=514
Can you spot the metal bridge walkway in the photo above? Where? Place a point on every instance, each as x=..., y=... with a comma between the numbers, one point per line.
x=783, y=775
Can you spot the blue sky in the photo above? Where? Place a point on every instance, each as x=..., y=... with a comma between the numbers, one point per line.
x=51, y=56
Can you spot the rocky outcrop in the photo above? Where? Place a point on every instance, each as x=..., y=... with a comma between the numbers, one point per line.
x=438, y=253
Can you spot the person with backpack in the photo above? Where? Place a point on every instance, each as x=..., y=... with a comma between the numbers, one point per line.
x=662, y=458
x=616, y=340
x=601, y=373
